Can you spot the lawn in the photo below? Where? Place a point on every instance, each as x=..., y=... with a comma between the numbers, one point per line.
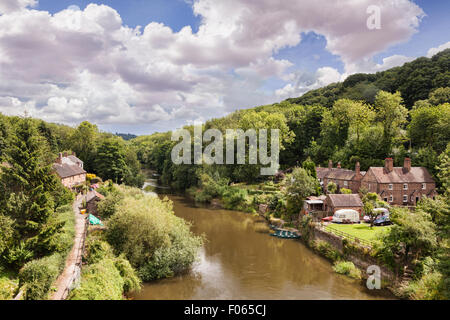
x=362, y=231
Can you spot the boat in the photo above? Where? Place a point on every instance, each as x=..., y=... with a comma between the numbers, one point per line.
x=285, y=234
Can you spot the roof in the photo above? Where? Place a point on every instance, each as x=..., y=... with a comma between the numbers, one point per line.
x=321, y=172
x=74, y=159
x=67, y=170
x=314, y=201
x=345, y=200
x=93, y=195
x=340, y=174
x=399, y=175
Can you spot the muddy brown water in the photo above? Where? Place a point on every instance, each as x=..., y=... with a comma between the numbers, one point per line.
x=237, y=262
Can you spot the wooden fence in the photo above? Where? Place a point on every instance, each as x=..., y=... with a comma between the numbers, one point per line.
x=345, y=235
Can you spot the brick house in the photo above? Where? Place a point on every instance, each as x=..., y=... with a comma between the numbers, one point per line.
x=70, y=170
x=400, y=185
x=335, y=202
x=343, y=178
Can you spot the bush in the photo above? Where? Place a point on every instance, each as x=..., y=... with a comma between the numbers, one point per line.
x=100, y=281
x=108, y=206
x=156, y=242
x=347, y=268
x=97, y=250
x=234, y=198
x=327, y=250
x=37, y=276
x=130, y=278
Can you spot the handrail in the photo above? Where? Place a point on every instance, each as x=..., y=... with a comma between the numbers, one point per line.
x=343, y=234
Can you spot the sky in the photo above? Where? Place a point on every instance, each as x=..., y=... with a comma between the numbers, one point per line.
x=141, y=66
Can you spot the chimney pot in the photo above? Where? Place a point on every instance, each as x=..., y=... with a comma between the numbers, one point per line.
x=339, y=165
x=65, y=153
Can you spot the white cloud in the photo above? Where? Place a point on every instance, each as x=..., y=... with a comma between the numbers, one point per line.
x=7, y=6
x=86, y=64
x=442, y=47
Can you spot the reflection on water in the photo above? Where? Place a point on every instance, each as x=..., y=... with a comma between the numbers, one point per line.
x=238, y=263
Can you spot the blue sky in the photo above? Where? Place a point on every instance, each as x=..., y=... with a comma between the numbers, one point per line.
x=92, y=64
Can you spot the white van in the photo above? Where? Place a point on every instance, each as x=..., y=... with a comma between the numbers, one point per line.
x=346, y=215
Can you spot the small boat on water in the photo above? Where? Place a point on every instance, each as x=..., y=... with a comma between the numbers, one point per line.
x=285, y=234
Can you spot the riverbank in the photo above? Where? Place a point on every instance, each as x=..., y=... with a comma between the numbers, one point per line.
x=239, y=262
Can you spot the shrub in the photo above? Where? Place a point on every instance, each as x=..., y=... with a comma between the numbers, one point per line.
x=233, y=198
x=37, y=276
x=347, y=268
x=130, y=278
x=327, y=250
x=156, y=242
x=100, y=281
x=97, y=250
x=108, y=206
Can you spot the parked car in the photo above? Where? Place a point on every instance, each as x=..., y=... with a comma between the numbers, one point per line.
x=380, y=212
x=346, y=216
x=327, y=219
x=382, y=220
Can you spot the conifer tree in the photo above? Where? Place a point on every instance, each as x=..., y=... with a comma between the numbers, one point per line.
x=27, y=183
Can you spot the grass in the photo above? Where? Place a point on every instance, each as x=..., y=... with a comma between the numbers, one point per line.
x=362, y=231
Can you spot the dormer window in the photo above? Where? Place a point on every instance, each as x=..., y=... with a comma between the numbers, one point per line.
x=391, y=186
x=405, y=186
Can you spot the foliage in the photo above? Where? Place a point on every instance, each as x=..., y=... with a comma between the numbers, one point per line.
x=37, y=276
x=100, y=281
x=299, y=185
x=327, y=250
x=28, y=184
x=156, y=242
x=347, y=268
x=331, y=187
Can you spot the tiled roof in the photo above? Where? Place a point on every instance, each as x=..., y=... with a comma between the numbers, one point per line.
x=345, y=200
x=66, y=170
x=340, y=174
x=399, y=175
x=321, y=172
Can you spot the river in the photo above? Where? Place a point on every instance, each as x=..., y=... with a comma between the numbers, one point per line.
x=237, y=262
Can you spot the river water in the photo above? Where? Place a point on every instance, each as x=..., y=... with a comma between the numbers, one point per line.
x=238, y=262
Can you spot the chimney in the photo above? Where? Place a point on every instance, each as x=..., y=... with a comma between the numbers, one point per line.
x=407, y=165
x=357, y=168
x=330, y=164
x=59, y=160
x=339, y=165
x=65, y=154
x=389, y=164
x=74, y=153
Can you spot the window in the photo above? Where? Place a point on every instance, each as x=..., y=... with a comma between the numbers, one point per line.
x=424, y=186
x=346, y=183
x=405, y=198
x=385, y=199
x=391, y=199
x=391, y=186
x=405, y=186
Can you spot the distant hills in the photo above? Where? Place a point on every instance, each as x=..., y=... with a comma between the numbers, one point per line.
x=415, y=80
x=126, y=136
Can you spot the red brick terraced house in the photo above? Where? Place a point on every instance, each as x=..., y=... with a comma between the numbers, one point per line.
x=343, y=178
x=403, y=186
x=70, y=170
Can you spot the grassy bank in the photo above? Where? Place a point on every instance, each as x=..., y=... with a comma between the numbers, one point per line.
x=143, y=241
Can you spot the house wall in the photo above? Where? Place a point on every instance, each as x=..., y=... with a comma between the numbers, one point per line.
x=398, y=192
x=370, y=183
x=73, y=181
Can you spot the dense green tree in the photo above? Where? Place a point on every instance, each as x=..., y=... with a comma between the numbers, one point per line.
x=84, y=143
x=299, y=185
x=392, y=114
x=27, y=184
x=110, y=162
